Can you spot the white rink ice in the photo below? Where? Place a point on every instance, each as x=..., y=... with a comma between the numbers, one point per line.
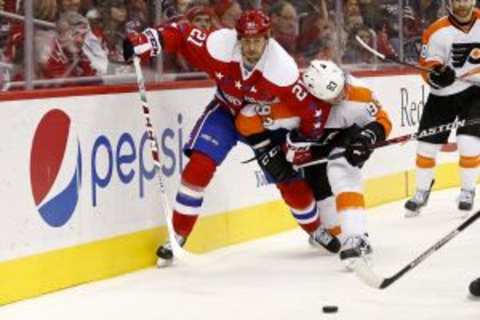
x=281, y=277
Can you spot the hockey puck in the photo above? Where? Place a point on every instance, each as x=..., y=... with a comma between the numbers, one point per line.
x=330, y=309
x=474, y=288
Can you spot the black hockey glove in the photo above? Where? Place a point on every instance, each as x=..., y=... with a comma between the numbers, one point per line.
x=272, y=160
x=441, y=76
x=270, y=157
x=360, y=148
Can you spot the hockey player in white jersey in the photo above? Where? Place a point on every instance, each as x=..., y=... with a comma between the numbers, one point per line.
x=451, y=48
x=356, y=121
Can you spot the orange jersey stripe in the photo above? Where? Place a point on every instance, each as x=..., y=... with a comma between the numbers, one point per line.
x=434, y=27
x=349, y=200
x=248, y=125
x=358, y=94
x=383, y=118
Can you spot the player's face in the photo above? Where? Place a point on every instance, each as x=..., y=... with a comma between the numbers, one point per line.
x=252, y=48
x=202, y=21
x=462, y=9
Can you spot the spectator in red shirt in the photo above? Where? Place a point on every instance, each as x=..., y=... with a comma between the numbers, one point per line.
x=63, y=56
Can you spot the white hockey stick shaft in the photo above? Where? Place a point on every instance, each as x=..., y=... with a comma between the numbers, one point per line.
x=366, y=274
x=411, y=65
x=177, y=250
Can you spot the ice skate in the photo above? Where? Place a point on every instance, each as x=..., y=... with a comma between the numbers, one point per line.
x=356, y=247
x=465, y=200
x=322, y=238
x=419, y=200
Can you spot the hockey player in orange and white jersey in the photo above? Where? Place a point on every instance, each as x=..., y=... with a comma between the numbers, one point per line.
x=356, y=121
x=451, y=48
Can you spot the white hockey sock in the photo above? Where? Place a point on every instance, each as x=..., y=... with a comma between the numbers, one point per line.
x=353, y=222
x=424, y=178
x=351, y=208
x=468, y=178
x=469, y=149
x=425, y=162
x=329, y=216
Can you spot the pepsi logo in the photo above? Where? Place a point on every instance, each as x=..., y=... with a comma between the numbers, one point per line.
x=55, y=168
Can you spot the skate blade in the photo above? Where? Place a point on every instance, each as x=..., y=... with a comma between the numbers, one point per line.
x=463, y=214
x=411, y=214
x=164, y=263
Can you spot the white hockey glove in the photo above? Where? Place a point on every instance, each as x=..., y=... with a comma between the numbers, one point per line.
x=144, y=45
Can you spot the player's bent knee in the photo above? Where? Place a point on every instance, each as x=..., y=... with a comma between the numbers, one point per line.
x=199, y=170
x=296, y=193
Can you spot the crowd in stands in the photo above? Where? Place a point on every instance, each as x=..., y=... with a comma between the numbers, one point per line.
x=85, y=36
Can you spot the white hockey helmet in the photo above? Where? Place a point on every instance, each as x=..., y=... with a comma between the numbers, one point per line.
x=324, y=79
x=449, y=6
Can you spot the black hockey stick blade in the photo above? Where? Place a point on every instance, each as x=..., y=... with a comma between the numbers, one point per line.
x=367, y=276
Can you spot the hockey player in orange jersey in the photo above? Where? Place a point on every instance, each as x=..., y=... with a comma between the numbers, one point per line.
x=356, y=121
x=451, y=49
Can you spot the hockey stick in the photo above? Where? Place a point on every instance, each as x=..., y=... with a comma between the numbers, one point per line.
x=411, y=65
x=366, y=274
x=177, y=250
x=400, y=139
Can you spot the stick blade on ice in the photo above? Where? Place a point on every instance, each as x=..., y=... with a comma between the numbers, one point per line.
x=367, y=276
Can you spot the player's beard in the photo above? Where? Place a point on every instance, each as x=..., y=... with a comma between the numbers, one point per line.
x=251, y=58
x=464, y=13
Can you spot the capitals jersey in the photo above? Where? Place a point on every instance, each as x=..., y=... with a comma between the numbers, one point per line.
x=274, y=78
x=445, y=42
x=358, y=108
